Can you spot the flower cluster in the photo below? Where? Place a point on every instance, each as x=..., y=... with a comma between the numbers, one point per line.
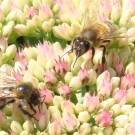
x=81, y=99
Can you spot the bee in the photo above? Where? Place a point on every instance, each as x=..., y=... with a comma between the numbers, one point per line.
x=99, y=34
x=12, y=91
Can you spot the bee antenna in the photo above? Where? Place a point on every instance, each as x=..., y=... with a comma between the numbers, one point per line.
x=71, y=50
x=75, y=60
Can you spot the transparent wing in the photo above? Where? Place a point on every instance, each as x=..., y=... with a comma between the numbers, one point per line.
x=7, y=85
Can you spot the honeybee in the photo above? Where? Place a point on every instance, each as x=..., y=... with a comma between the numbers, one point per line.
x=98, y=34
x=12, y=91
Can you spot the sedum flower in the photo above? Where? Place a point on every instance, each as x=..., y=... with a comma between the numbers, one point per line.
x=30, y=12
x=67, y=106
x=57, y=100
x=47, y=94
x=121, y=120
x=127, y=81
x=130, y=68
x=75, y=83
x=68, y=76
x=70, y=122
x=132, y=116
x=90, y=102
x=54, y=113
x=42, y=116
x=116, y=12
x=130, y=95
x=63, y=31
x=83, y=74
x=106, y=104
x=16, y=127
x=79, y=108
x=116, y=109
x=55, y=128
x=49, y=76
x=84, y=117
x=104, y=118
x=64, y=89
x=3, y=44
x=131, y=128
x=104, y=88
x=120, y=131
x=45, y=12
x=61, y=67
x=85, y=128
x=126, y=109
x=28, y=126
x=120, y=96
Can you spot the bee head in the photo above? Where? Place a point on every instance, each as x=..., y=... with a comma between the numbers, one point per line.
x=81, y=46
x=35, y=97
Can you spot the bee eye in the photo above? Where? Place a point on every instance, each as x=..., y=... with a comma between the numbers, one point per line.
x=77, y=40
x=22, y=88
x=82, y=43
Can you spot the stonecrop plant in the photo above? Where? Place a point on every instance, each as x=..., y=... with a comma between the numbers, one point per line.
x=89, y=98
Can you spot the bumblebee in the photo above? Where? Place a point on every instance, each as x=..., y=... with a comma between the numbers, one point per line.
x=93, y=35
x=12, y=91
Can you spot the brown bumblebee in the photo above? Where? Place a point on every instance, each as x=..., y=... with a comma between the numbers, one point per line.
x=98, y=34
x=12, y=91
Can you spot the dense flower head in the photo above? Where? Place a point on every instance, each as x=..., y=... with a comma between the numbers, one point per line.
x=77, y=95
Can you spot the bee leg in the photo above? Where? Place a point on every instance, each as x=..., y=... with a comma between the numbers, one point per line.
x=4, y=103
x=26, y=112
x=93, y=53
x=103, y=56
x=32, y=108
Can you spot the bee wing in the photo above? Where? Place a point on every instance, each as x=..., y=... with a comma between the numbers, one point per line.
x=7, y=84
x=4, y=76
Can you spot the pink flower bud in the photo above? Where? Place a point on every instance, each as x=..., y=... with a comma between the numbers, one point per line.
x=104, y=118
x=61, y=67
x=47, y=94
x=64, y=89
x=50, y=76
x=67, y=106
x=83, y=74
x=42, y=116
x=116, y=12
x=54, y=113
x=30, y=12
x=131, y=128
x=55, y=128
x=70, y=122
x=63, y=31
x=91, y=102
x=120, y=96
x=45, y=12
x=85, y=128
x=104, y=85
x=127, y=81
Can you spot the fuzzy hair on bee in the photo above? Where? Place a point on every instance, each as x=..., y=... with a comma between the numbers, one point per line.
x=12, y=91
x=94, y=35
